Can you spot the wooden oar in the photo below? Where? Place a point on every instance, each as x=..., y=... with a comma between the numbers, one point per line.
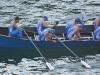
x=84, y=63
x=83, y=13
x=48, y=64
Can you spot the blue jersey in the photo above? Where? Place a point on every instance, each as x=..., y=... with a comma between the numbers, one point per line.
x=39, y=27
x=68, y=25
x=97, y=33
x=41, y=36
x=95, y=23
x=70, y=31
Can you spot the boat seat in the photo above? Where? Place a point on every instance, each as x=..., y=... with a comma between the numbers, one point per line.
x=85, y=35
x=8, y=34
x=60, y=32
x=88, y=35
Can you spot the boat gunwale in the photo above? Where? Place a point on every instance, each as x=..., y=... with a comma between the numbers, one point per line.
x=38, y=40
x=13, y=37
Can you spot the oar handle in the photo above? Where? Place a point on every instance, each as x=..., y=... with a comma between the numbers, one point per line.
x=57, y=22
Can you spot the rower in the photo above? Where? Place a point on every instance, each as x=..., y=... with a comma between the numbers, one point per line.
x=96, y=23
x=74, y=32
x=14, y=30
x=97, y=34
x=71, y=24
x=47, y=35
x=41, y=23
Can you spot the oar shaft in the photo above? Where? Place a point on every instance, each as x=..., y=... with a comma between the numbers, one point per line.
x=35, y=47
x=84, y=63
x=48, y=64
x=71, y=51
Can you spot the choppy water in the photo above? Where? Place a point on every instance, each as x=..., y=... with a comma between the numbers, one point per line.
x=63, y=66
x=31, y=10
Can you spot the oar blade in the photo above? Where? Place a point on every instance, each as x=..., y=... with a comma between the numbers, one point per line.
x=85, y=64
x=83, y=12
x=49, y=66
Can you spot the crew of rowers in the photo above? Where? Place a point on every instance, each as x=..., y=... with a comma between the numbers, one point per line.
x=72, y=29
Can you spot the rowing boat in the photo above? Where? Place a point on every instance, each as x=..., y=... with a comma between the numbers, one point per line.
x=14, y=48
x=11, y=47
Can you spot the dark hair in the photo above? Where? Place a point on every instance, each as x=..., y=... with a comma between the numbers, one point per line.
x=17, y=18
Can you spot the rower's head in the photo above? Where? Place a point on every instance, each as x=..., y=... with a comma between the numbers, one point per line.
x=52, y=31
x=45, y=18
x=17, y=19
x=81, y=27
x=77, y=20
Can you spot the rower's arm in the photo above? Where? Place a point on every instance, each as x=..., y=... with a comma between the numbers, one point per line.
x=78, y=35
x=46, y=35
x=55, y=36
x=15, y=25
x=97, y=23
x=74, y=32
x=45, y=25
x=49, y=39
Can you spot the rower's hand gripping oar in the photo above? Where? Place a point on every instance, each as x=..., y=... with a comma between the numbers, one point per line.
x=56, y=23
x=84, y=63
x=48, y=64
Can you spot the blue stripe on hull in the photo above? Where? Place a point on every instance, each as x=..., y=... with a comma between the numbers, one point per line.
x=13, y=48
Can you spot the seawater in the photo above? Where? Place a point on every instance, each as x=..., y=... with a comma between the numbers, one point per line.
x=62, y=65
x=30, y=11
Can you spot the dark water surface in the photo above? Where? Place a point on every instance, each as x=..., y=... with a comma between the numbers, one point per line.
x=63, y=66
x=31, y=10
x=63, y=10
